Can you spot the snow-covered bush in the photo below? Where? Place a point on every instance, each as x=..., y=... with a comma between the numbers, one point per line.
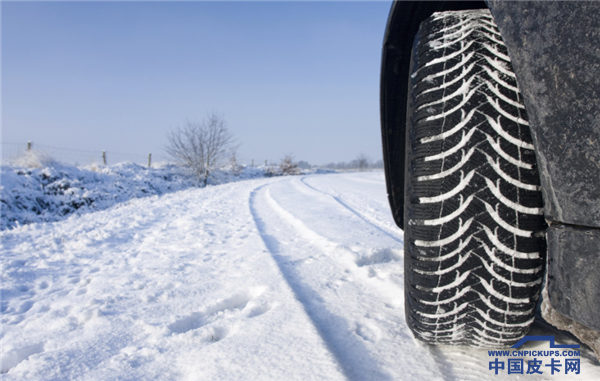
x=29, y=194
x=33, y=158
x=52, y=193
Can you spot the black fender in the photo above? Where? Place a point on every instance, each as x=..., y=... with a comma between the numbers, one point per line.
x=555, y=50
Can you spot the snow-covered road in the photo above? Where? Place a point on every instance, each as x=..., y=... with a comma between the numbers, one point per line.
x=293, y=278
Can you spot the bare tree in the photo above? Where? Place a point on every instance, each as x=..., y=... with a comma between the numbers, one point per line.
x=362, y=162
x=201, y=147
x=288, y=166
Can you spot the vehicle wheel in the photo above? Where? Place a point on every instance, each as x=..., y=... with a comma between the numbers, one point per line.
x=474, y=226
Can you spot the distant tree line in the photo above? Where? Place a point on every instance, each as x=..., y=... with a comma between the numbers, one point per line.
x=361, y=163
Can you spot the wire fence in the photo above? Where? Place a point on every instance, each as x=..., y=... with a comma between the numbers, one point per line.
x=11, y=152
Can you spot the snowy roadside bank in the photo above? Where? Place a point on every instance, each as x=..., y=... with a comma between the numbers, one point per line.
x=50, y=194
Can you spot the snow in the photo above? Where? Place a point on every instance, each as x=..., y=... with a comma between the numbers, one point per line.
x=283, y=278
x=52, y=193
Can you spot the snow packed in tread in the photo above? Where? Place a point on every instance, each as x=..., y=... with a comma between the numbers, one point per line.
x=475, y=265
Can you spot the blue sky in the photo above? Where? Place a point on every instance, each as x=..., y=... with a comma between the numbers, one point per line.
x=289, y=77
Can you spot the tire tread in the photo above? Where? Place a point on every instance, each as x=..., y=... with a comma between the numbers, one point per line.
x=475, y=278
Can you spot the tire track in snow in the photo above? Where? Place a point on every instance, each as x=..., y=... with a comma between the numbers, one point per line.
x=443, y=359
x=362, y=216
x=327, y=324
x=365, y=334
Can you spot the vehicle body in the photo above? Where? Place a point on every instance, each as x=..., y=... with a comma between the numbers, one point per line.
x=555, y=52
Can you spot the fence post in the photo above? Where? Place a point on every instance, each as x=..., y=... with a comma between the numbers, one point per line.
x=104, y=157
x=149, y=159
x=252, y=163
x=265, y=162
x=28, y=146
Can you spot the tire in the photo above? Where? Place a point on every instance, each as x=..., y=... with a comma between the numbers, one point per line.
x=474, y=226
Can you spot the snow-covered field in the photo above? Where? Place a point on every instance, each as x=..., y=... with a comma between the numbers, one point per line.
x=288, y=278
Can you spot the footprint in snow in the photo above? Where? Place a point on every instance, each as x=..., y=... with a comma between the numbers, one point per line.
x=25, y=306
x=222, y=316
x=368, y=331
x=219, y=333
x=81, y=291
x=258, y=309
x=12, y=358
x=43, y=308
x=74, y=280
x=380, y=256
